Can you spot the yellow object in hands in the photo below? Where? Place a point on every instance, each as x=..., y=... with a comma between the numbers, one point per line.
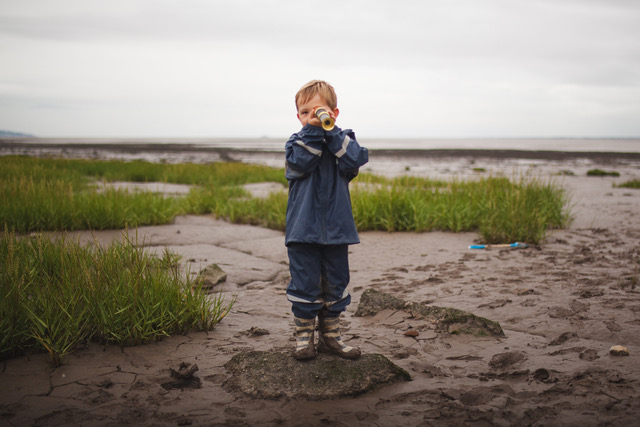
x=325, y=119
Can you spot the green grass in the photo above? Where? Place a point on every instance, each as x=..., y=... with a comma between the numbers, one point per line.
x=56, y=295
x=55, y=194
x=81, y=171
x=499, y=209
x=634, y=183
x=600, y=172
x=50, y=194
x=57, y=204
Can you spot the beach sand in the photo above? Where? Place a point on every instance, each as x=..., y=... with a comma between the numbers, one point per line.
x=562, y=305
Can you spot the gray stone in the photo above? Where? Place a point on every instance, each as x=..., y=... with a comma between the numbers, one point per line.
x=446, y=319
x=618, y=350
x=275, y=375
x=211, y=275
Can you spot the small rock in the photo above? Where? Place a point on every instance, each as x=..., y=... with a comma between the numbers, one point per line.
x=211, y=275
x=618, y=350
x=412, y=333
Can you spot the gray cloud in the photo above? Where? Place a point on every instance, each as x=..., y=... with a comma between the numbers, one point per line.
x=438, y=68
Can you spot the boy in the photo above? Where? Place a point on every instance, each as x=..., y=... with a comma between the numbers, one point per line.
x=320, y=226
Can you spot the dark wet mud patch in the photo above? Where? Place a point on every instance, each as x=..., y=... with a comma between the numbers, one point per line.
x=452, y=320
x=275, y=375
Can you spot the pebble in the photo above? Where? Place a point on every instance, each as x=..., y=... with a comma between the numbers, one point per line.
x=618, y=350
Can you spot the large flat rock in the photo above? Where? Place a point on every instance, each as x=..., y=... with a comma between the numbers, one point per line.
x=274, y=375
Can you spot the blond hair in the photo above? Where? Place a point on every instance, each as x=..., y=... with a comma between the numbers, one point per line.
x=317, y=87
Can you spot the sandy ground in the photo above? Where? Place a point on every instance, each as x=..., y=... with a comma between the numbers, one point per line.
x=562, y=305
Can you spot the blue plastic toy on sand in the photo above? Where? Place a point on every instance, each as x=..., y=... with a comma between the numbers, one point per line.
x=509, y=245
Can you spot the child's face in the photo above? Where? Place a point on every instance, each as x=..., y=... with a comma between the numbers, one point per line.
x=305, y=111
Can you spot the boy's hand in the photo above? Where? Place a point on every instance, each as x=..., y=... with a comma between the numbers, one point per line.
x=313, y=119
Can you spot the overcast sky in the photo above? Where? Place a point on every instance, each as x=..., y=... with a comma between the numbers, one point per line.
x=230, y=68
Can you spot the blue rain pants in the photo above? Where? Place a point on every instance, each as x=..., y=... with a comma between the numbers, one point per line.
x=319, y=279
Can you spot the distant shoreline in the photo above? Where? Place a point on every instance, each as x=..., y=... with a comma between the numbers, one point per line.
x=602, y=156
x=13, y=146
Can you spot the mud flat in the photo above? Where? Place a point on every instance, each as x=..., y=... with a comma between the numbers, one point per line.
x=561, y=306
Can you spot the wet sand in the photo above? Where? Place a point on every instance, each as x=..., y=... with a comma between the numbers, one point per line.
x=562, y=305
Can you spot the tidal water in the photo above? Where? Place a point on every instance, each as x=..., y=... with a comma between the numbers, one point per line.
x=615, y=145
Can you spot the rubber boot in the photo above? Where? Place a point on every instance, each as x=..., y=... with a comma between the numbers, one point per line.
x=329, y=340
x=305, y=347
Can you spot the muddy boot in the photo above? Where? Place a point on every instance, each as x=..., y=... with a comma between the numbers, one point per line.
x=305, y=347
x=329, y=340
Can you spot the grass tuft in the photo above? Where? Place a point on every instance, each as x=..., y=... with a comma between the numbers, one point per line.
x=56, y=295
x=600, y=172
x=634, y=183
x=498, y=208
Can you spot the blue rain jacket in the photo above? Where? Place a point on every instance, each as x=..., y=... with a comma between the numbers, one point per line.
x=319, y=166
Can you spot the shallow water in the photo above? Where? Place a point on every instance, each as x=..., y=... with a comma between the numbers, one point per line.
x=617, y=145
